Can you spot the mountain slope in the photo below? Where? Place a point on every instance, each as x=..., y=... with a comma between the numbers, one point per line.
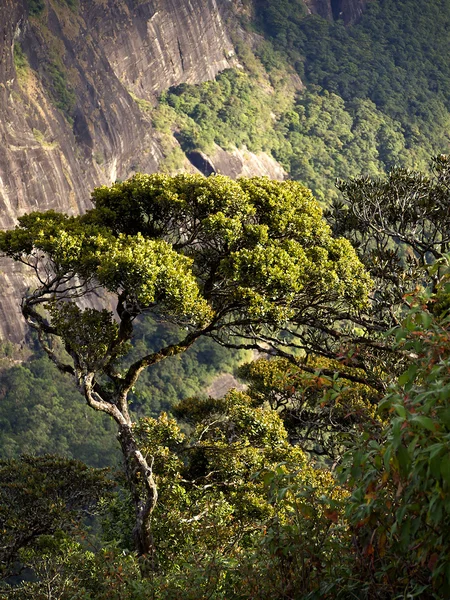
x=92, y=91
x=70, y=76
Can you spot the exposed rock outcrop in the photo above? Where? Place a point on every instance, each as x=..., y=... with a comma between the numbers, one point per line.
x=74, y=86
x=58, y=143
x=351, y=10
x=237, y=163
x=347, y=10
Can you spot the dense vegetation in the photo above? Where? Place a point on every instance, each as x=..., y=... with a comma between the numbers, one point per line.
x=317, y=137
x=179, y=377
x=35, y=7
x=396, y=56
x=42, y=412
x=241, y=263
x=37, y=401
x=242, y=513
x=376, y=94
x=329, y=477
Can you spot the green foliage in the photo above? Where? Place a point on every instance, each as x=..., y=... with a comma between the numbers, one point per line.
x=59, y=567
x=302, y=543
x=399, y=507
x=263, y=242
x=41, y=412
x=376, y=94
x=396, y=55
x=42, y=496
x=174, y=160
x=63, y=568
x=327, y=138
x=165, y=383
x=242, y=513
x=234, y=261
x=35, y=7
x=60, y=88
x=399, y=225
x=20, y=61
x=235, y=220
x=54, y=62
x=144, y=105
x=317, y=137
x=213, y=502
x=233, y=110
x=245, y=515
x=41, y=138
x=322, y=414
x=89, y=333
x=149, y=269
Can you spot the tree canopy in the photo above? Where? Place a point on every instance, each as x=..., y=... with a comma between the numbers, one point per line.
x=251, y=264
x=40, y=496
x=243, y=499
x=400, y=226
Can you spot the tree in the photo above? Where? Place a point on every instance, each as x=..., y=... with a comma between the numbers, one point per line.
x=40, y=496
x=210, y=497
x=400, y=228
x=323, y=415
x=400, y=504
x=399, y=225
x=226, y=528
x=250, y=264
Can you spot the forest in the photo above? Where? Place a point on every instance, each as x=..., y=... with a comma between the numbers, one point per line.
x=326, y=478
x=373, y=95
x=327, y=295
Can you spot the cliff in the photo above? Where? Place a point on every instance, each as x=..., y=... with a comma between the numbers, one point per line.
x=347, y=10
x=70, y=115
x=74, y=77
x=78, y=79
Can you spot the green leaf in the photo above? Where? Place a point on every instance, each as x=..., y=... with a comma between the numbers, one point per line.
x=404, y=460
x=387, y=458
x=425, y=422
x=400, y=334
x=445, y=469
x=400, y=410
x=281, y=493
x=435, y=449
x=435, y=466
x=408, y=376
x=396, y=432
x=444, y=417
x=405, y=530
x=426, y=319
x=412, y=445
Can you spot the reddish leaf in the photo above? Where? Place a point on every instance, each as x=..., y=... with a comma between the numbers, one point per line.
x=332, y=515
x=433, y=560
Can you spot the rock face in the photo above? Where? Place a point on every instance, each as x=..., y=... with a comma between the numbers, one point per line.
x=76, y=80
x=237, y=163
x=351, y=9
x=72, y=118
x=348, y=10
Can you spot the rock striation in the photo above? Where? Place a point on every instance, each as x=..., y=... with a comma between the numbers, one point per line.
x=347, y=10
x=76, y=80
